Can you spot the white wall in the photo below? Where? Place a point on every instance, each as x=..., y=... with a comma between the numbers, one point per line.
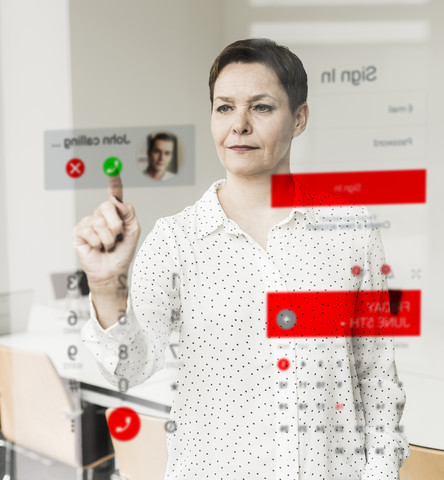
x=145, y=63
x=35, y=89
x=88, y=64
x=4, y=276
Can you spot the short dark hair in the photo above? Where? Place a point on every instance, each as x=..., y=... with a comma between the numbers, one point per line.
x=285, y=64
x=166, y=136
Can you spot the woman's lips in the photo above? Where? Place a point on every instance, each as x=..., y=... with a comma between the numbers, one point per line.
x=242, y=148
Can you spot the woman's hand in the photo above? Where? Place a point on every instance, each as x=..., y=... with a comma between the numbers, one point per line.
x=106, y=243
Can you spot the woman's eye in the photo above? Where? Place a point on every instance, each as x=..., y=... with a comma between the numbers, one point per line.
x=223, y=108
x=263, y=108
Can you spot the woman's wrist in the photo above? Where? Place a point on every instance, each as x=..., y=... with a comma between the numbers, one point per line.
x=110, y=300
x=110, y=286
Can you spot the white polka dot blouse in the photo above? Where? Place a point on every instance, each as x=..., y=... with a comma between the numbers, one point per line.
x=332, y=413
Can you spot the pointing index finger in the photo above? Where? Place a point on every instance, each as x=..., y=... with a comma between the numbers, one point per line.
x=115, y=187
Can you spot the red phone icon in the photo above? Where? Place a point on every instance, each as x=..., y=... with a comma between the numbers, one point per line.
x=124, y=423
x=127, y=423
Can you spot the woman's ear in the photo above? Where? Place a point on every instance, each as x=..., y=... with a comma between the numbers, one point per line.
x=301, y=119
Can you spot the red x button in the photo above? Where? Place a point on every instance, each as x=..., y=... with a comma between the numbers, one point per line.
x=75, y=168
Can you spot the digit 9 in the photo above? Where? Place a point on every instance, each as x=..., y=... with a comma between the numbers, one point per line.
x=72, y=352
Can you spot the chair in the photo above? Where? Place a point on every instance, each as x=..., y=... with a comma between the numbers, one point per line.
x=147, y=452
x=39, y=413
x=423, y=464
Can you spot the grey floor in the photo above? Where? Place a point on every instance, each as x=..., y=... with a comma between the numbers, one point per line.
x=29, y=466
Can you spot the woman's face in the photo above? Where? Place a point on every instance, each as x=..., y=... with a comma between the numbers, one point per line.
x=251, y=121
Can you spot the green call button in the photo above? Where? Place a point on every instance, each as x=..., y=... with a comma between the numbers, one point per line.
x=112, y=166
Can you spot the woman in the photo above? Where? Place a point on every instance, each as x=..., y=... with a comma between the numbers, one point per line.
x=238, y=415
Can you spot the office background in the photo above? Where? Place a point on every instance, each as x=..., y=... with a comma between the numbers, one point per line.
x=106, y=63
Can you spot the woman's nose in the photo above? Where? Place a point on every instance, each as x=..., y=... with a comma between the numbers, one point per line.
x=242, y=124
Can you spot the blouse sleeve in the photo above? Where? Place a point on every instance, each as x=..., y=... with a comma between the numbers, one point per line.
x=134, y=348
x=382, y=395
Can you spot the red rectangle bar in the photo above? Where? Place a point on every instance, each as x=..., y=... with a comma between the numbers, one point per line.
x=344, y=313
x=381, y=187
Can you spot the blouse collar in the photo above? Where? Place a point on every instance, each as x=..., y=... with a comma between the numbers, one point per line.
x=210, y=214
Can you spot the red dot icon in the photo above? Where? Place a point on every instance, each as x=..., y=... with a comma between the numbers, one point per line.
x=75, y=168
x=124, y=423
x=385, y=269
x=339, y=406
x=356, y=270
x=284, y=364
